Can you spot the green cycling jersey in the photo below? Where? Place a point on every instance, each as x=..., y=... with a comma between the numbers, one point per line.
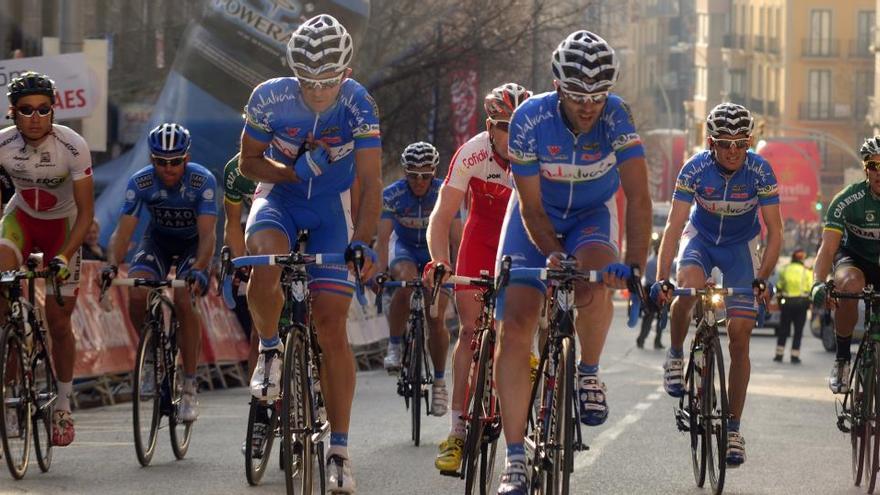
x=855, y=213
x=236, y=187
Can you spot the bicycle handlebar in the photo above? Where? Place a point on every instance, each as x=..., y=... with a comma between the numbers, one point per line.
x=721, y=291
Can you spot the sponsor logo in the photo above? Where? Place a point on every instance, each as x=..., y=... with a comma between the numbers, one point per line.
x=740, y=195
x=493, y=176
x=475, y=158
x=45, y=157
x=292, y=131
x=873, y=234
x=73, y=151
x=268, y=19
x=174, y=218
x=196, y=181
x=591, y=157
x=554, y=149
x=144, y=181
x=208, y=194
x=373, y=106
x=51, y=182
x=738, y=188
x=130, y=195
x=592, y=147
x=869, y=216
x=332, y=139
x=329, y=130
x=852, y=198
x=591, y=229
x=708, y=190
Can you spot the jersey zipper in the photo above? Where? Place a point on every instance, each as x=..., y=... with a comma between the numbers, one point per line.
x=314, y=130
x=571, y=182
x=721, y=222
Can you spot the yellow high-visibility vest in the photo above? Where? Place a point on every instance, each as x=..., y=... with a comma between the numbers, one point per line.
x=796, y=280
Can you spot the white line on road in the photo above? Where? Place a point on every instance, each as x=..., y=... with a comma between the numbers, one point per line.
x=586, y=459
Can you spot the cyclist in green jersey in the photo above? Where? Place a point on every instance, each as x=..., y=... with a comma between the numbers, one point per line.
x=851, y=249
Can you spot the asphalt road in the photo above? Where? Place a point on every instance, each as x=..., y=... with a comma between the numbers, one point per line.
x=792, y=443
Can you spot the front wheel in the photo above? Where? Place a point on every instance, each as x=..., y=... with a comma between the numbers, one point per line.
x=562, y=456
x=860, y=405
x=698, y=446
x=146, y=398
x=296, y=417
x=15, y=407
x=476, y=412
x=715, y=416
x=415, y=381
x=256, y=458
x=46, y=389
x=180, y=431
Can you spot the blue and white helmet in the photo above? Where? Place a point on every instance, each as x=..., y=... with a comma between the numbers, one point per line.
x=585, y=62
x=870, y=147
x=420, y=154
x=729, y=119
x=169, y=140
x=319, y=45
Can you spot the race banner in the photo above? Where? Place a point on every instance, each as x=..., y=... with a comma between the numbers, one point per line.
x=75, y=95
x=463, y=95
x=796, y=163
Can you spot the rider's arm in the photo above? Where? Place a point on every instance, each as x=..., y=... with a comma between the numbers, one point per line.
x=120, y=239
x=385, y=228
x=368, y=166
x=773, y=221
x=233, y=233
x=634, y=179
x=534, y=217
x=207, y=225
x=84, y=197
x=675, y=222
x=455, y=237
x=830, y=243
x=255, y=166
x=440, y=226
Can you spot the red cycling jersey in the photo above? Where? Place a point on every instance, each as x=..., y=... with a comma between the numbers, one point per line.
x=477, y=169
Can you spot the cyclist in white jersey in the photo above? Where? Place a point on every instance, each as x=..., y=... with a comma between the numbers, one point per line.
x=50, y=212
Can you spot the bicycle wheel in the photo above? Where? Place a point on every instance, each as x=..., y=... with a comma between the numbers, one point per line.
x=255, y=465
x=15, y=408
x=476, y=411
x=415, y=379
x=296, y=417
x=46, y=390
x=538, y=427
x=180, y=431
x=146, y=399
x=859, y=404
x=698, y=447
x=872, y=435
x=562, y=426
x=488, y=454
x=715, y=416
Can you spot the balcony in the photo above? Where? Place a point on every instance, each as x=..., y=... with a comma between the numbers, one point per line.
x=820, y=47
x=773, y=45
x=728, y=41
x=741, y=41
x=860, y=48
x=772, y=109
x=662, y=8
x=759, y=43
x=824, y=111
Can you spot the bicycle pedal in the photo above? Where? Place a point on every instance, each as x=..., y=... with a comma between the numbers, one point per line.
x=682, y=420
x=453, y=474
x=841, y=424
x=580, y=447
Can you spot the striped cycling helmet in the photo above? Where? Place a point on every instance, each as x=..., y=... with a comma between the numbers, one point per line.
x=503, y=100
x=320, y=44
x=870, y=147
x=169, y=140
x=585, y=62
x=420, y=154
x=729, y=119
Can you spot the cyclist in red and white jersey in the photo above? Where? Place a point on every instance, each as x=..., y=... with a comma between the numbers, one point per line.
x=50, y=212
x=479, y=168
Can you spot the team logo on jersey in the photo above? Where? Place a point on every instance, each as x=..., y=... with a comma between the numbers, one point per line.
x=869, y=216
x=373, y=105
x=208, y=194
x=45, y=157
x=144, y=181
x=493, y=176
x=196, y=181
x=174, y=218
x=591, y=157
x=130, y=195
x=292, y=131
x=708, y=190
x=738, y=188
x=589, y=230
x=329, y=130
x=554, y=149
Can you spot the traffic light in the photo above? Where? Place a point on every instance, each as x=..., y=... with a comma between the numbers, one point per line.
x=818, y=206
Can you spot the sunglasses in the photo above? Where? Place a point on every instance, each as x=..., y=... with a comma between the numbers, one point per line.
x=582, y=98
x=725, y=144
x=420, y=175
x=28, y=111
x=872, y=165
x=168, y=162
x=501, y=125
x=307, y=83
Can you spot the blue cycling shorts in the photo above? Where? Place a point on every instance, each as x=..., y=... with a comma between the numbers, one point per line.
x=398, y=251
x=156, y=254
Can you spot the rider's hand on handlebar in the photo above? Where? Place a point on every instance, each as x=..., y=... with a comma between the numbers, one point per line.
x=109, y=272
x=368, y=258
x=198, y=282
x=661, y=292
x=58, y=264
x=555, y=259
x=762, y=290
x=616, y=276
x=431, y=268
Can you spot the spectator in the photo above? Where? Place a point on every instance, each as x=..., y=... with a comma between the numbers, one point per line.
x=794, y=285
x=650, y=311
x=91, y=250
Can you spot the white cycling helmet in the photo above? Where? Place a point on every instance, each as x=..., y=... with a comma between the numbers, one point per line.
x=420, y=154
x=585, y=62
x=730, y=119
x=320, y=44
x=503, y=100
x=870, y=147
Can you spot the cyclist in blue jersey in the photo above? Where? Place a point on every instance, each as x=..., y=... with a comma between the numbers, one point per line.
x=402, y=239
x=715, y=206
x=179, y=196
x=305, y=139
x=570, y=150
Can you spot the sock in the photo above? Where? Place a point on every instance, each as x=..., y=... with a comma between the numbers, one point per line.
x=456, y=425
x=780, y=350
x=65, y=390
x=676, y=352
x=733, y=425
x=395, y=340
x=516, y=452
x=587, y=369
x=270, y=343
x=338, y=439
x=439, y=375
x=189, y=383
x=843, y=351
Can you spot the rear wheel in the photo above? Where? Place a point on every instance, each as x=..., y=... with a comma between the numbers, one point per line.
x=715, y=416
x=146, y=397
x=476, y=412
x=15, y=408
x=255, y=462
x=416, y=358
x=46, y=389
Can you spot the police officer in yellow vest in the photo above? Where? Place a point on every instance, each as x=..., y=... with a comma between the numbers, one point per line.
x=793, y=286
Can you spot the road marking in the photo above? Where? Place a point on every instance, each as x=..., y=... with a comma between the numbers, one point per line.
x=80, y=443
x=586, y=459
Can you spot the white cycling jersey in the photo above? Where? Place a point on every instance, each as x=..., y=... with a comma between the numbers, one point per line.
x=43, y=176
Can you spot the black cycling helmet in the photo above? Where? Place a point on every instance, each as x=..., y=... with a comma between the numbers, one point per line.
x=30, y=83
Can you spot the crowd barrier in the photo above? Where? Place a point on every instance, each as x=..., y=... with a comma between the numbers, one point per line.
x=106, y=340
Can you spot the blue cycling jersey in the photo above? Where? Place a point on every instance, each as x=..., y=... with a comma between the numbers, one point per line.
x=726, y=210
x=410, y=213
x=173, y=210
x=277, y=114
x=578, y=171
